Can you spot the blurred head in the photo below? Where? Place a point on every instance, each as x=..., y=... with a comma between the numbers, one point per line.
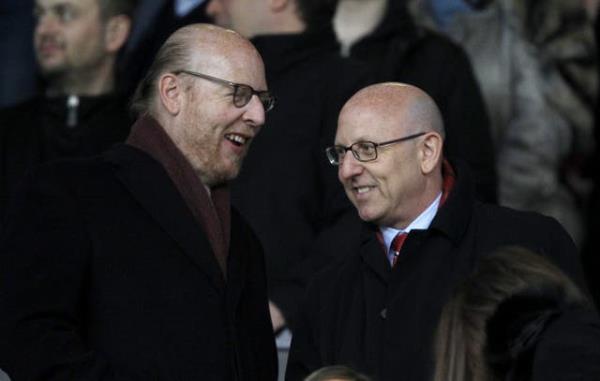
x=211, y=127
x=76, y=41
x=402, y=178
x=501, y=277
x=256, y=17
x=336, y=373
x=247, y=17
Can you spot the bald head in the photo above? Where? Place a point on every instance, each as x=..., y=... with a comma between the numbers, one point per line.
x=201, y=46
x=413, y=110
x=395, y=132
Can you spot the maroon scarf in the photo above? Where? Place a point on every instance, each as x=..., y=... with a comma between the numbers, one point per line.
x=211, y=211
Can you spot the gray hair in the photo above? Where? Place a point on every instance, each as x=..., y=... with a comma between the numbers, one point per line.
x=172, y=55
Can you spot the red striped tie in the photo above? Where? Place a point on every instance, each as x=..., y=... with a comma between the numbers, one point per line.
x=396, y=246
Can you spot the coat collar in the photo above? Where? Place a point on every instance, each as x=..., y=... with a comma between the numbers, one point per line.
x=454, y=216
x=451, y=220
x=150, y=185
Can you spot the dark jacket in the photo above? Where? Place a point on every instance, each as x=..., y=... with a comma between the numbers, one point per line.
x=569, y=349
x=105, y=274
x=36, y=131
x=543, y=335
x=287, y=189
x=361, y=313
x=398, y=50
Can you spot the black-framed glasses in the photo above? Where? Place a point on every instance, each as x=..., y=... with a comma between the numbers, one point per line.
x=364, y=150
x=242, y=94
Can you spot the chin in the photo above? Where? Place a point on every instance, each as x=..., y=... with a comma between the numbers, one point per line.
x=368, y=216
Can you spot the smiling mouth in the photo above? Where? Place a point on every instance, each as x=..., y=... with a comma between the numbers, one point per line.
x=363, y=189
x=236, y=139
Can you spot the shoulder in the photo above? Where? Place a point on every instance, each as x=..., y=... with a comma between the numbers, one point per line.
x=514, y=219
x=569, y=348
x=15, y=118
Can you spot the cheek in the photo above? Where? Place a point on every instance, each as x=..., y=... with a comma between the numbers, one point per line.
x=85, y=40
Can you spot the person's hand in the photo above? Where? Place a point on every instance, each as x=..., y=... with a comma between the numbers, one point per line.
x=277, y=318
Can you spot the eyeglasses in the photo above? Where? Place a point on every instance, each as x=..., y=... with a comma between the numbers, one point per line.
x=363, y=151
x=242, y=94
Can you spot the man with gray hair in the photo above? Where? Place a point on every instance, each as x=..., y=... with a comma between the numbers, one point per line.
x=132, y=265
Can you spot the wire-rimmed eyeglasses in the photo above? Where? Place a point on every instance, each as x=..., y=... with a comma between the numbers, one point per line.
x=363, y=150
x=242, y=94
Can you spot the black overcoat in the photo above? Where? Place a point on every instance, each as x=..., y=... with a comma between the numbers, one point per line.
x=106, y=275
x=361, y=313
x=287, y=190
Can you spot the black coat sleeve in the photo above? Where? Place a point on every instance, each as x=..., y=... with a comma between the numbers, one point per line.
x=43, y=270
x=305, y=354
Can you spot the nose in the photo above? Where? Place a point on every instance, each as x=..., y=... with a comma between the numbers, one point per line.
x=255, y=112
x=46, y=23
x=349, y=167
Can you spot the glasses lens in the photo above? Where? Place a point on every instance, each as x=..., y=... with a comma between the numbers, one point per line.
x=267, y=100
x=335, y=154
x=364, y=151
x=242, y=95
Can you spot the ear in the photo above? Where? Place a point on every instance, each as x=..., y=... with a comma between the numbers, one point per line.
x=116, y=32
x=170, y=91
x=278, y=5
x=431, y=152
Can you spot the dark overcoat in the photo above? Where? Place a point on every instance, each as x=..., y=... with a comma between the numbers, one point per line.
x=287, y=189
x=381, y=321
x=106, y=275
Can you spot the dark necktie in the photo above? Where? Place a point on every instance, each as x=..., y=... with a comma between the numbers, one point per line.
x=396, y=246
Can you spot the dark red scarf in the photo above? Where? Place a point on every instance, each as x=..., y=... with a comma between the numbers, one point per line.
x=211, y=211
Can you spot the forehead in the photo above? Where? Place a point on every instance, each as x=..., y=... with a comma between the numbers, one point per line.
x=239, y=64
x=369, y=122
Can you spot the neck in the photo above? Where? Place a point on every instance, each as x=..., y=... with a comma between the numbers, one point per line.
x=285, y=22
x=428, y=192
x=355, y=19
x=98, y=82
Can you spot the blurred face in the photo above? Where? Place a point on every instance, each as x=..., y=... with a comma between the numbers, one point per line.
x=69, y=36
x=384, y=190
x=243, y=16
x=212, y=132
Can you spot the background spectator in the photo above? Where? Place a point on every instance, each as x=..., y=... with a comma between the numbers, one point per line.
x=79, y=113
x=382, y=34
x=518, y=317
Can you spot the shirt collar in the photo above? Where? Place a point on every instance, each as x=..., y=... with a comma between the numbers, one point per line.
x=422, y=222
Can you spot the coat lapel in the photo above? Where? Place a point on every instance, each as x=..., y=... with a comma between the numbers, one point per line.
x=150, y=185
x=237, y=260
x=375, y=278
x=372, y=253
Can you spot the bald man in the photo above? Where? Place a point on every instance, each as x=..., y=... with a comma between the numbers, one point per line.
x=376, y=308
x=132, y=265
